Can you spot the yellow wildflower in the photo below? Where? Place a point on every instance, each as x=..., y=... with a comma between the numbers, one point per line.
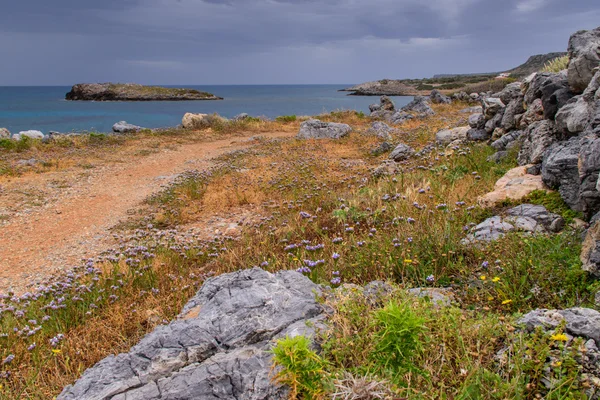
x=56, y=351
x=559, y=337
x=490, y=298
x=483, y=277
x=496, y=279
x=407, y=261
x=507, y=301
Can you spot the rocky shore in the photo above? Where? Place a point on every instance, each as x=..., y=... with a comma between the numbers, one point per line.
x=134, y=92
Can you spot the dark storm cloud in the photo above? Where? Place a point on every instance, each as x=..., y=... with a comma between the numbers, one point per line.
x=276, y=41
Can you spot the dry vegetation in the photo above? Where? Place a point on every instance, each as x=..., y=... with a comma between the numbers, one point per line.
x=326, y=215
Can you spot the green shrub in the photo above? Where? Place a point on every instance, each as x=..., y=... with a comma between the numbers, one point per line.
x=286, y=118
x=397, y=338
x=302, y=369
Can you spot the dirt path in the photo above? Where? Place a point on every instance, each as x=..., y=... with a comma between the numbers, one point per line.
x=76, y=224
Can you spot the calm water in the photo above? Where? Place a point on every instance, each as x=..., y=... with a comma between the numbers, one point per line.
x=44, y=108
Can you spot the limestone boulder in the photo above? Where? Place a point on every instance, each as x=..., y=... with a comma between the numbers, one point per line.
x=315, y=129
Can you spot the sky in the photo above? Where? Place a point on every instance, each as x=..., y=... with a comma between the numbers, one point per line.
x=170, y=42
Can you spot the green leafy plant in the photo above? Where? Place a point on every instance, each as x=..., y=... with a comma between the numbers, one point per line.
x=302, y=369
x=286, y=118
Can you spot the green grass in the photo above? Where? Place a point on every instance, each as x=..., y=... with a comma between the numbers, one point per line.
x=553, y=203
x=286, y=118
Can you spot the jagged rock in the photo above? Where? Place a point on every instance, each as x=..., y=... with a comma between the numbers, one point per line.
x=447, y=136
x=32, y=134
x=560, y=170
x=575, y=116
x=402, y=152
x=534, y=112
x=387, y=104
x=582, y=322
x=477, y=121
x=374, y=107
x=526, y=218
x=472, y=110
x=550, y=221
x=419, y=105
x=315, y=129
x=584, y=58
x=514, y=108
x=510, y=92
x=194, y=121
x=555, y=93
x=217, y=348
x=491, y=107
x=381, y=130
x=589, y=169
x=514, y=185
x=537, y=139
x=124, y=127
x=478, y=134
x=382, y=148
x=505, y=140
x=534, y=169
x=4, y=133
x=241, y=117
x=590, y=251
x=399, y=117
x=386, y=168
x=461, y=96
x=437, y=97
x=440, y=297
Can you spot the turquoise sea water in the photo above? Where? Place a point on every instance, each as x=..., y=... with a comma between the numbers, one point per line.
x=44, y=108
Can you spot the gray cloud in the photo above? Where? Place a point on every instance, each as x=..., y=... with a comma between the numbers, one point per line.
x=276, y=41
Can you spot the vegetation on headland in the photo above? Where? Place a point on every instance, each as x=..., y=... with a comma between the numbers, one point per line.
x=134, y=92
x=469, y=83
x=317, y=200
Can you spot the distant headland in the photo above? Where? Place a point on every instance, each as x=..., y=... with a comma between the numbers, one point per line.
x=134, y=92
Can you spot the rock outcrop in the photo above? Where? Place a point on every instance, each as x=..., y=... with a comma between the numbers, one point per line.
x=402, y=152
x=514, y=185
x=134, y=92
x=315, y=129
x=420, y=106
x=584, y=58
x=218, y=348
x=381, y=130
x=436, y=97
x=124, y=127
x=4, y=133
x=31, y=134
x=447, y=136
x=525, y=218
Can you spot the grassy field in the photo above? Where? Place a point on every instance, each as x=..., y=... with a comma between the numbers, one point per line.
x=323, y=212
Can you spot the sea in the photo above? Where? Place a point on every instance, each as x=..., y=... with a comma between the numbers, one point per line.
x=45, y=109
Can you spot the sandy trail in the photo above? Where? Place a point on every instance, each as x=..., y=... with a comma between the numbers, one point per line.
x=76, y=225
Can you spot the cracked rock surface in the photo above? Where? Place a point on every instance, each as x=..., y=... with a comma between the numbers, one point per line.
x=217, y=348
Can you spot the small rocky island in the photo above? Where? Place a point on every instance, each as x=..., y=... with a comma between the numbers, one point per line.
x=134, y=92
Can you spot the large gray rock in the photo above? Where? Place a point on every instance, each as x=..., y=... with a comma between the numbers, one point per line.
x=386, y=104
x=447, y=136
x=218, y=348
x=506, y=140
x=124, y=127
x=514, y=108
x=4, y=133
x=400, y=117
x=528, y=218
x=534, y=112
x=385, y=109
x=381, y=130
x=581, y=111
x=478, y=135
x=491, y=107
x=536, y=140
x=436, y=97
x=560, y=170
x=472, y=110
x=477, y=121
x=510, y=92
x=315, y=129
x=584, y=55
x=588, y=170
x=402, y=152
x=241, y=117
x=581, y=322
x=419, y=105
x=495, y=122
x=32, y=134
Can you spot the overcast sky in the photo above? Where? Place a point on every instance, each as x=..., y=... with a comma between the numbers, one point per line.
x=61, y=42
